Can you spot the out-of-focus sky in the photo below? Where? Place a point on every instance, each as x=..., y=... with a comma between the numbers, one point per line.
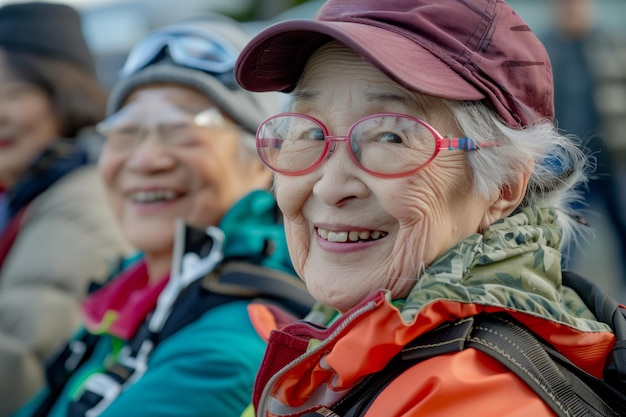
x=81, y=4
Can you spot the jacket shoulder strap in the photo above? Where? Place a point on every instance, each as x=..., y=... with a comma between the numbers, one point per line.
x=61, y=366
x=227, y=283
x=566, y=389
x=448, y=338
x=609, y=311
x=246, y=280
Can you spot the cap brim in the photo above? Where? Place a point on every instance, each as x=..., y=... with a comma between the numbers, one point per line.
x=275, y=58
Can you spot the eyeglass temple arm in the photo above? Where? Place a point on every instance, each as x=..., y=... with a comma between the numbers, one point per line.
x=464, y=144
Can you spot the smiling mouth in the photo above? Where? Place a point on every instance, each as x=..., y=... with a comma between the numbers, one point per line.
x=350, y=236
x=155, y=196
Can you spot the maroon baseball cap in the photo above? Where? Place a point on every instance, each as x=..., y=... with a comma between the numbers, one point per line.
x=454, y=49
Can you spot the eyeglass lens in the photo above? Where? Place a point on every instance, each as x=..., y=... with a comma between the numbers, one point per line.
x=386, y=144
x=126, y=129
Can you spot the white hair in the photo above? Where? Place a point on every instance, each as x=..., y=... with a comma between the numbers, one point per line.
x=556, y=162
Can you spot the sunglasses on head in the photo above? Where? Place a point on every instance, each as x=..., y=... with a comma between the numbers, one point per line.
x=196, y=49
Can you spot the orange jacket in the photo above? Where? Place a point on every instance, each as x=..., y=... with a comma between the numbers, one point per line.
x=307, y=366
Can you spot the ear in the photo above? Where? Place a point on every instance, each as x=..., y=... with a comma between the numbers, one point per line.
x=510, y=196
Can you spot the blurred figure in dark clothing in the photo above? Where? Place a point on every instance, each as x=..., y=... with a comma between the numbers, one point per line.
x=569, y=44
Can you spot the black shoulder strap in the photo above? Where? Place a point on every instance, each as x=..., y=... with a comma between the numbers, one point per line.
x=229, y=282
x=257, y=282
x=192, y=303
x=233, y=281
x=61, y=366
x=609, y=311
x=566, y=389
x=237, y=281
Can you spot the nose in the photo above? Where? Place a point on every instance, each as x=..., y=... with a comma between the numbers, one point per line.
x=339, y=178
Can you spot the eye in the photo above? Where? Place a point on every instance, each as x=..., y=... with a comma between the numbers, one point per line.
x=172, y=128
x=178, y=133
x=123, y=136
x=293, y=129
x=381, y=130
x=389, y=137
x=314, y=134
x=125, y=131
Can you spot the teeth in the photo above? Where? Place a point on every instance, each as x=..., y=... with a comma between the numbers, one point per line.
x=152, y=196
x=337, y=236
x=352, y=236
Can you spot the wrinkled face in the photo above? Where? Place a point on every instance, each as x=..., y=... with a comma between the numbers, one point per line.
x=157, y=167
x=350, y=233
x=28, y=124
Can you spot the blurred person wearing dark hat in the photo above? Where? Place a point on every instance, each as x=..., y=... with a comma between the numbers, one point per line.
x=413, y=168
x=164, y=338
x=56, y=230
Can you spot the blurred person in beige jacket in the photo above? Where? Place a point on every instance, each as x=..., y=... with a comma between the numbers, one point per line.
x=56, y=231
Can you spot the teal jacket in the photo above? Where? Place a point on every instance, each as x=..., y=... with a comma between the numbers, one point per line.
x=208, y=367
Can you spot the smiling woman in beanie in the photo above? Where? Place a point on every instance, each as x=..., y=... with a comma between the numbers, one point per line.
x=172, y=334
x=416, y=172
x=56, y=230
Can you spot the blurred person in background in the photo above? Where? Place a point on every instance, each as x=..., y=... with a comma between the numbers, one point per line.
x=179, y=144
x=570, y=43
x=56, y=231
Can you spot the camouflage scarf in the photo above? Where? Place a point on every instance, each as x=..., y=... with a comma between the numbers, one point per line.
x=514, y=264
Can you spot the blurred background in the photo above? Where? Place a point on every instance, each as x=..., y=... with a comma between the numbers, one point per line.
x=589, y=64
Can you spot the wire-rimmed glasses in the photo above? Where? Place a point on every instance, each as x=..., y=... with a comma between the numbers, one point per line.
x=125, y=129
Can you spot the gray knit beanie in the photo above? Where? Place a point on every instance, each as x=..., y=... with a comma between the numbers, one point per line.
x=246, y=108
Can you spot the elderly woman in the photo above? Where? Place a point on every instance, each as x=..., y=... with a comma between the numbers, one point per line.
x=163, y=338
x=423, y=184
